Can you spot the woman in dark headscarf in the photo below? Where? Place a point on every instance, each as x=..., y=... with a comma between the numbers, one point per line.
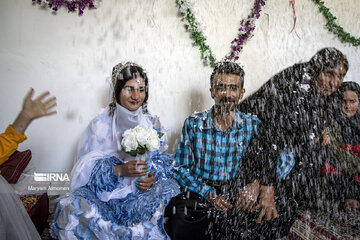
x=350, y=122
x=345, y=145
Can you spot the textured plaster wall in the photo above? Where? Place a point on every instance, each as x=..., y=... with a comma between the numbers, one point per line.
x=73, y=56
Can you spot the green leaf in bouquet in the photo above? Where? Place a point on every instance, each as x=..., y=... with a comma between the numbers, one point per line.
x=133, y=153
x=160, y=134
x=141, y=150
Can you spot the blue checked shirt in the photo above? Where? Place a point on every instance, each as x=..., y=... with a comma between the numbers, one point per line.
x=285, y=164
x=207, y=153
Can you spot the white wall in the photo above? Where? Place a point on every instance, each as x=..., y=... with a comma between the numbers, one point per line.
x=72, y=56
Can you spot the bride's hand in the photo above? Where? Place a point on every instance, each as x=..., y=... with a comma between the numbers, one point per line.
x=131, y=169
x=146, y=183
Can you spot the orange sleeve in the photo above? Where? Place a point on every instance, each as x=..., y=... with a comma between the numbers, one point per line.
x=9, y=141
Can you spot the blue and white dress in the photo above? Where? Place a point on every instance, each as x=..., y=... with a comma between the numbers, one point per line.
x=103, y=205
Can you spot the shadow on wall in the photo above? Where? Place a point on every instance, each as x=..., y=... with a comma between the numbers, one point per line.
x=105, y=97
x=195, y=103
x=73, y=156
x=73, y=115
x=173, y=138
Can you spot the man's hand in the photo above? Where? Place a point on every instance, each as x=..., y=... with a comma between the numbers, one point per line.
x=266, y=204
x=219, y=202
x=146, y=182
x=247, y=197
x=137, y=168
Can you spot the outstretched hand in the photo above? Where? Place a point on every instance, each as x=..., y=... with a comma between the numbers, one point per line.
x=266, y=204
x=32, y=109
x=40, y=106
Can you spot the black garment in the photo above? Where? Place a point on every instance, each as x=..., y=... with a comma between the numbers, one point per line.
x=293, y=114
x=190, y=217
x=327, y=193
x=350, y=129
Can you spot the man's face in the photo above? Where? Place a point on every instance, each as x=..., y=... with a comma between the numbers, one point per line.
x=226, y=90
x=329, y=80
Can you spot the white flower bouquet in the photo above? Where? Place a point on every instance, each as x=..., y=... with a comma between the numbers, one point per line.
x=140, y=140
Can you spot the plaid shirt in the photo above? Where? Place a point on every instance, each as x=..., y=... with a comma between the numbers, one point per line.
x=207, y=153
x=285, y=164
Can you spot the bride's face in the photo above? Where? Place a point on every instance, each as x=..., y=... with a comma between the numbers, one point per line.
x=133, y=93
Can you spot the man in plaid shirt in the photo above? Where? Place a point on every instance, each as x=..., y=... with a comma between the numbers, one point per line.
x=220, y=186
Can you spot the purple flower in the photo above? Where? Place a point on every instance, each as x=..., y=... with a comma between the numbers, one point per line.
x=71, y=5
x=248, y=26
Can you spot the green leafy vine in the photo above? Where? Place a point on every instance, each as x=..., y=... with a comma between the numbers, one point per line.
x=333, y=27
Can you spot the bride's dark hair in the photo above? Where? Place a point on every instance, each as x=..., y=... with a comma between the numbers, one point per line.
x=129, y=73
x=120, y=75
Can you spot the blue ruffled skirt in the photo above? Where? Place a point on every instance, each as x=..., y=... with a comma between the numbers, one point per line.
x=139, y=215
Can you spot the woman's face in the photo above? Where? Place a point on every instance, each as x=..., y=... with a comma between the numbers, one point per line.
x=350, y=104
x=133, y=93
x=329, y=80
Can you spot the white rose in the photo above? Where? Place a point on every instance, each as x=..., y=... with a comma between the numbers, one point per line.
x=138, y=129
x=128, y=132
x=142, y=137
x=153, y=143
x=129, y=142
x=151, y=133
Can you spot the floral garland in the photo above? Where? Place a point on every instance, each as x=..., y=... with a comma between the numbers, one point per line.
x=246, y=29
x=72, y=5
x=333, y=27
x=192, y=25
x=247, y=26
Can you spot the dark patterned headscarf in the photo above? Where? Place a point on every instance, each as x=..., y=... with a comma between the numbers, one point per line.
x=327, y=58
x=350, y=127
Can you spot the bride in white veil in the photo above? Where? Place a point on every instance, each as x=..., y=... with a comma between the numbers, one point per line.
x=107, y=200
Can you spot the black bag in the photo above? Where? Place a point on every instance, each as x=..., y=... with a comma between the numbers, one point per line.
x=188, y=217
